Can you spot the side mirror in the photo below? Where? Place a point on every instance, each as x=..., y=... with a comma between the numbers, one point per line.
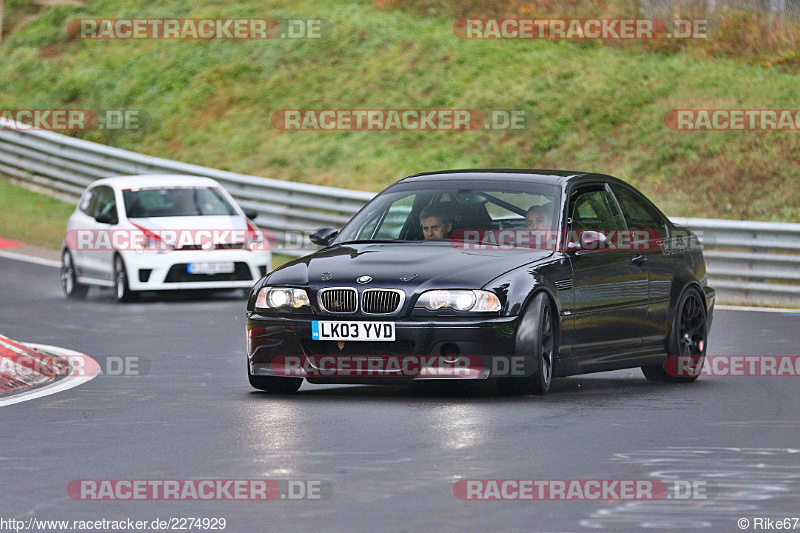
x=252, y=214
x=106, y=218
x=323, y=236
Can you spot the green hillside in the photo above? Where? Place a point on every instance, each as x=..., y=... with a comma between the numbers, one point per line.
x=597, y=107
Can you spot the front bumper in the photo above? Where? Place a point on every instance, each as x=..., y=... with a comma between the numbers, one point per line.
x=167, y=271
x=485, y=344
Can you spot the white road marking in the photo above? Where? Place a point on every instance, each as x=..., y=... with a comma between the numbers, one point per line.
x=57, y=386
x=30, y=259
x=757, y=309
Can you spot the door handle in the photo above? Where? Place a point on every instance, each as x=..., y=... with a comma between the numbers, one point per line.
x=639, y=258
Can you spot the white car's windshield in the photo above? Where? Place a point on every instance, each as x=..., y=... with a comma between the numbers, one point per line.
x=175, y=202
x=438, y=211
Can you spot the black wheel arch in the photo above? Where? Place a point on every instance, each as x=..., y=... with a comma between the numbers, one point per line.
x=682, y=281
x=519, y=287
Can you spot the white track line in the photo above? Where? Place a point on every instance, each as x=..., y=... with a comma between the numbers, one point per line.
x=757, y=309
x=30, y=259
x=57, y=386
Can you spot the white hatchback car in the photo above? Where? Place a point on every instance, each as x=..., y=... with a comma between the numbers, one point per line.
x=154, y=233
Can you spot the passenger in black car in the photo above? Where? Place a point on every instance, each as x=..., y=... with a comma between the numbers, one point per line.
x=538, y=217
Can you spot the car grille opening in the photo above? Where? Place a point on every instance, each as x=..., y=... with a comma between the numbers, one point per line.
x=380, y=302
x=338, y=300
x=179, y=274
x=365, y=348
x=144, y=274
x=564, y=284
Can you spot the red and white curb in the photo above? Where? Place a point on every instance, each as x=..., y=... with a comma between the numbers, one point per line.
x=32, y=386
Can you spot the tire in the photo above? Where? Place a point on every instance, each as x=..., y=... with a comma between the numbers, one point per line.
x=122, y=290
x=69, y=282
x=687, y=339
x=275, y=385
x=535, y=339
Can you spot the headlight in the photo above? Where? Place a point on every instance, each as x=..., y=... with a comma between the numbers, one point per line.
x=151, y=244
x=255, y=239
x=465, y=300
x=277, y=297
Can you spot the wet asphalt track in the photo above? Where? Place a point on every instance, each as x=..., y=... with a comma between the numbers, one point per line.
x=391, y=457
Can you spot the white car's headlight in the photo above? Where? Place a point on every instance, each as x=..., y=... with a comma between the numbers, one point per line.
x=255, y=239
x=151, y=244
x=277, y=297
x=463, y=300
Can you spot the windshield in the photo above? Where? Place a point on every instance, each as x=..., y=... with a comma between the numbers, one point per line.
x=175, y=202
x=443, y=210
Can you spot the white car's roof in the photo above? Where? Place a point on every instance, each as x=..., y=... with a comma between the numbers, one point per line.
x=150, y=180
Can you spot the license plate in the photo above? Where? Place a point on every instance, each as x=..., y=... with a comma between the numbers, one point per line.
x=352, y=331
x=211, y=268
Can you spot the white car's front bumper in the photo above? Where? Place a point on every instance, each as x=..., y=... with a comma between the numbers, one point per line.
x=168, y=271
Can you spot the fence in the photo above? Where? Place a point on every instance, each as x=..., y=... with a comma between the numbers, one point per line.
x=748, y=262
x=789, y=9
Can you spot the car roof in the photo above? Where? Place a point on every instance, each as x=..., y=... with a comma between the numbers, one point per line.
x=150, y=180
x=530, y=175
x=549, y=176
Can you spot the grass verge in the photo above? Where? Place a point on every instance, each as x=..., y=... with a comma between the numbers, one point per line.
x=597, y=106
x=32, y=217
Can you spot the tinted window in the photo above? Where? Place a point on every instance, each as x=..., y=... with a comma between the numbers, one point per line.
x=106, y=203
x=594, y=208
x=395, y=218
x=176, y=202
x=638, y=214
x=395, y=214
x=89, y=201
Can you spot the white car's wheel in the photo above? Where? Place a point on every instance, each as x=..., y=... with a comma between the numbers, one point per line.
x=122, y=290
x=69, y=283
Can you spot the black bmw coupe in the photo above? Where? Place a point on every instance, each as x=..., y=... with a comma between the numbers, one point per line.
x=516, y=276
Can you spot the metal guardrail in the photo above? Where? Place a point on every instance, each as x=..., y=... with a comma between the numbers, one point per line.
x=748, y=262
x=64, y=166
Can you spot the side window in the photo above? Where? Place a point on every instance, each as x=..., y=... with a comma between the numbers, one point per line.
x=106, y=203
x=89, y=201
x=594, y=208
x=638, y=214
x=395, y=219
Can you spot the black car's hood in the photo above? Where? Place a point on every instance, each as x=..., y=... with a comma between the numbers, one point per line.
x=408, y=266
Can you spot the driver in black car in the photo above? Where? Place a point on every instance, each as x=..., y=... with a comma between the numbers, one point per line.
x=436, y=221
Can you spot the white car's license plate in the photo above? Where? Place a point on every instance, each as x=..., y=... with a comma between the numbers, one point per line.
x=322, y=330
x=225, y=267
